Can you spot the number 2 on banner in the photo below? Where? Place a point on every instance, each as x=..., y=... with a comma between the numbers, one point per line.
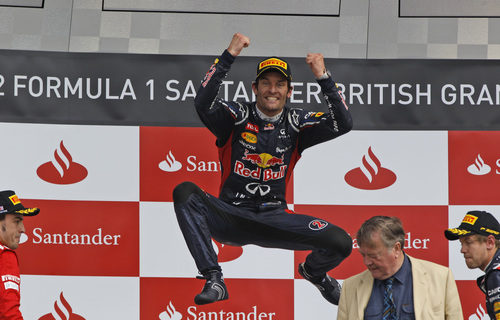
x=151, y=86
x=2, y=80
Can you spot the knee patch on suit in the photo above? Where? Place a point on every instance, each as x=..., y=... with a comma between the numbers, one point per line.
x=184, y=190
x=338, y=240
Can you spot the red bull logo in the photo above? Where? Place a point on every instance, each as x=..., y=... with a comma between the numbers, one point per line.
x=268, y=174
x=240, y=169
x=269, y=126
x=263, y=160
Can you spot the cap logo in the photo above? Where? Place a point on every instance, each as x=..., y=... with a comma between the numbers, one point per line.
x=489, y=230
x=470, y=219
x=273, y=62
x=14, y=199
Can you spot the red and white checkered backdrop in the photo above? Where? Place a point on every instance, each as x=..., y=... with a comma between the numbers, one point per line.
x=106, y=244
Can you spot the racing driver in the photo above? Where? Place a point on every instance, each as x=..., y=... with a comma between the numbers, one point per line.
x=12, y=213
x=259, y=144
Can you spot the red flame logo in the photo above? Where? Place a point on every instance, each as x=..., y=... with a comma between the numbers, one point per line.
x=62, y=311
x=371, y=175
x=62, y=169
x=228, y=253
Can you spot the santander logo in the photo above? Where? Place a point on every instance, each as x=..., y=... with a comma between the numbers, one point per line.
x=170, y=313
x=170, y=164
x=23, y=239
x=192, y=163
x=62, y=311
x=226, y=253
x=480, y=314
x=61, y=169
x=479, y=167
x=371, y=175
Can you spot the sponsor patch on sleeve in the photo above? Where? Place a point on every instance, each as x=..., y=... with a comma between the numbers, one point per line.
x=11, y=282
x=210, y=73
x=11, y=285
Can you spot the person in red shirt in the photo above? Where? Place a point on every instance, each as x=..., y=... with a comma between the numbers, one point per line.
x=11, y=228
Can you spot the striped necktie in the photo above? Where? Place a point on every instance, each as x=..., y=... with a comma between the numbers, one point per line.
x=389, y=307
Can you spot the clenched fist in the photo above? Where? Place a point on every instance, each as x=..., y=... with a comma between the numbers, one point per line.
x=237, y=44
x=317, y=63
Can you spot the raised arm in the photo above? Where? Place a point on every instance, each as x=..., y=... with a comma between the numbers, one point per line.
x=218, y=115
x=322, y=127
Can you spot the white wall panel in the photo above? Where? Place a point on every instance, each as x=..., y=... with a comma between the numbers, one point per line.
x=418, y=159
x=87, y=297
x=109, y=154
x=164, y=252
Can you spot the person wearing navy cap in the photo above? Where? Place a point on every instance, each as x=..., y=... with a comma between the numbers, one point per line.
x=259, y=144
x=12, y=213
x=479, y=235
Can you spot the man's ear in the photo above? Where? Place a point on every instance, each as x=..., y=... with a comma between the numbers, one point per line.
x=289, y=94
x=490, y=242
x=254, y=87
x=397, y=247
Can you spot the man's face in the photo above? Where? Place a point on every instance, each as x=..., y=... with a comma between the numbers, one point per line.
x=271, y=91
x=475, y=252
x=381, y=261
x=11, y=229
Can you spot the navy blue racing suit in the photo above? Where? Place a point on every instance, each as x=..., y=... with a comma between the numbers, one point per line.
x=490, y=285
x=257, y=158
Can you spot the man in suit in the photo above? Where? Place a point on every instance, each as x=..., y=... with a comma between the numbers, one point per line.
x=396, y=286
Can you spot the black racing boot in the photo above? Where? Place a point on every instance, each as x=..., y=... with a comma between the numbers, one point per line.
x=329, y=287
x=214, y=289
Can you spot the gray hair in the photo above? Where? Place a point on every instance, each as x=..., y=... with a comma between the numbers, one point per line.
x=390, y=229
